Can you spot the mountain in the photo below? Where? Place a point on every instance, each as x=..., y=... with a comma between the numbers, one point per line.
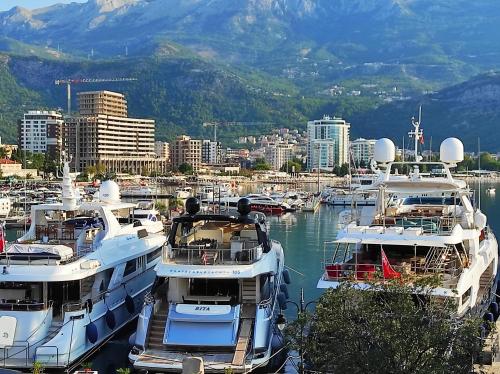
x=180, y=93
x=426, y=43
x=469, y=110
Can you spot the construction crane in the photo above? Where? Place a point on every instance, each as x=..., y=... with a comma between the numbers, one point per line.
x=232, y=123
x=69, y=82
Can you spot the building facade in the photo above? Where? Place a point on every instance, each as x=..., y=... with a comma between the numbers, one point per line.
x=41, y=132
x=162, y=149
x=210, y=152
x=102, y=135
x=92, y=103
x=362, y=151
x=277, y=154
x=328, y=143
x=186, y=151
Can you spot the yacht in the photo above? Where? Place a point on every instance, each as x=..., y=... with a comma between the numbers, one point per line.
x=421, y=227
x=149, y=217
x=219, y=289
x=183, y=193
x=69, y=284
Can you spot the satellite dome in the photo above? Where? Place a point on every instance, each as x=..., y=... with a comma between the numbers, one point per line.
x=244, y=206
x=451, y=151
x=109, y=192
x=384, y=151
x=192, y=205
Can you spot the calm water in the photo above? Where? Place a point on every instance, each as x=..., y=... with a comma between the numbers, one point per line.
x=302, y=236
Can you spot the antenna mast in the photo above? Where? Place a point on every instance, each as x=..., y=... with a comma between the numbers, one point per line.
x=417, y=133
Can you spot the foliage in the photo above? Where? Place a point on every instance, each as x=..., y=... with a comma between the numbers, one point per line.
x=261, y=164
x=37, y=368
x=186, y=168
x=342, y=170
x=87, y=365
x=360, y=331
x=123, y=371
x=290, y=165
x=488, y=162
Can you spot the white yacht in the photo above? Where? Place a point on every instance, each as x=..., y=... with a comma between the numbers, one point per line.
x=149, y=217
x=68, y=284
x=422, y=226
x=183, y=193
x=217, y=295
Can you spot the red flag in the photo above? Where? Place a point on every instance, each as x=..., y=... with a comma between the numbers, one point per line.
x=422, y=139
x=389, y=272
x=2, y=239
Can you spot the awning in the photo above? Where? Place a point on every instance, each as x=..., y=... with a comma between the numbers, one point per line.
x=202, y=325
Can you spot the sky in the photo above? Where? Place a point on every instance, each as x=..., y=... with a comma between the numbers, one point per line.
x=32, y=4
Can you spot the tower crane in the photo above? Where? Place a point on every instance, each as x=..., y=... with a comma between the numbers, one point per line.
x=232, y=123
x=69, y=82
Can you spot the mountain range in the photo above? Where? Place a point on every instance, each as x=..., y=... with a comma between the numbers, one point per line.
x=263, y=60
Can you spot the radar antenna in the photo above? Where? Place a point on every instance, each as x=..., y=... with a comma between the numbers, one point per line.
x=417, y=133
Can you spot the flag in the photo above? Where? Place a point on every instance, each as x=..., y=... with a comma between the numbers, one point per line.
x=2, y=239
x=422, y=139
x=388, y=271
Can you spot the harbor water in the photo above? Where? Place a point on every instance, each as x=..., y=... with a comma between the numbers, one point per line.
x=302, y=235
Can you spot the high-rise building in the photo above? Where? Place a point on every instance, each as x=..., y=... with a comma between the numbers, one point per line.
x=210, y=152
x=328, y=144
x=101, y=134
x=362, y=151
x=186, y=151
x=93, y=103
x=277, y=154
x=41, y=132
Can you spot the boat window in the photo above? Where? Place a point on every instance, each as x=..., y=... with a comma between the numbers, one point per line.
x=21, y=296
x=223, y=291
x=466, y=296
x=130, y=267
x=153, y=255
x=431, y=200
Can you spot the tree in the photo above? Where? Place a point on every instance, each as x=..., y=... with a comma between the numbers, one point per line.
x=186, y=168
x=291, y=164
x=261, y=164
x=389, y=331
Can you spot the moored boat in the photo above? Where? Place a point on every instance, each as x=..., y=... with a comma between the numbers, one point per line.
x=218, y=291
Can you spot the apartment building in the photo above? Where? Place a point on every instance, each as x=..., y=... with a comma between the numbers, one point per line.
x=40, y=131
x=185, y=150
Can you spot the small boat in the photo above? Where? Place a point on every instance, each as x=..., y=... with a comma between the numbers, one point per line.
x=491, y=190
x=311, y=205
x=218, y=292
x=183, y=193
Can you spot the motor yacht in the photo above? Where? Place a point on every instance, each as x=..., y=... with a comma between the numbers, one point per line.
x=423, y=226
x=219, y=289
x=71, y=282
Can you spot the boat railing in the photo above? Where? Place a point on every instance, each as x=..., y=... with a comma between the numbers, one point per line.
x=429, y=225
x=368, y=271
x=213, y=255
x=15, y=349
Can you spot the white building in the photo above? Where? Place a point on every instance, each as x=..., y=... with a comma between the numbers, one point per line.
x=277, y=154
x=362, y=151
x=162, y=149
x=41, y=132
x=328, y=144
x=210, y=152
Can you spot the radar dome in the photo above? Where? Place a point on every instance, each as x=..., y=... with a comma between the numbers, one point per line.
x=192, y=205
x=451, y=151
x=384, y=151
x=109, y=192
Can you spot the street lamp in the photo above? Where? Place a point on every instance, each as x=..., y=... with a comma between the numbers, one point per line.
x=281, y=322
